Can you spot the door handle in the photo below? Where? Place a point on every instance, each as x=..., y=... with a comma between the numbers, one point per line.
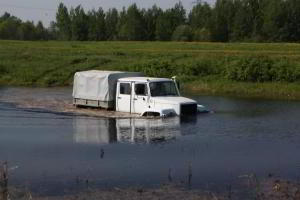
x=119, y=97
x=135, y=99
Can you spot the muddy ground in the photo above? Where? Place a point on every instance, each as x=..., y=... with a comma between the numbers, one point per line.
x=58, y=100
x=269, y=189
x=164, y=192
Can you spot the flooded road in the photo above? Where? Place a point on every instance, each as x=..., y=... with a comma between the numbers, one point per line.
x=54, y=153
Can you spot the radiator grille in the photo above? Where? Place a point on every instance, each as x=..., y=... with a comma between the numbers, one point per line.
x=188, y=109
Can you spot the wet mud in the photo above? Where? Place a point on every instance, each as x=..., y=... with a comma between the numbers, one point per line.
x=267, y=189
x=59, y=101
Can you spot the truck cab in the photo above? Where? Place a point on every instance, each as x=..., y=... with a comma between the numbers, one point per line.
x=152, y=97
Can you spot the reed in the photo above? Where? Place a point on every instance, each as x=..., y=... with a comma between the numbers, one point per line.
x=4, y=180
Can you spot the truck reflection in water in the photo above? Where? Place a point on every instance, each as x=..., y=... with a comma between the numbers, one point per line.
x=105, y=131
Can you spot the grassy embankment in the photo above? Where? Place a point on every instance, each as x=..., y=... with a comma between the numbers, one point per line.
x=248, y=70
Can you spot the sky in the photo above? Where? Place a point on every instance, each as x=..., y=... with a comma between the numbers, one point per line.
x=45, y=10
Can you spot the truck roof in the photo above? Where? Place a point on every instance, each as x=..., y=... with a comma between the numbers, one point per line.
x=143, y=79
x=99, y=73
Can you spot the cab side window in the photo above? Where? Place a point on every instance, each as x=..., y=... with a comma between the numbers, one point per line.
x=125, y=88
x=141, y=89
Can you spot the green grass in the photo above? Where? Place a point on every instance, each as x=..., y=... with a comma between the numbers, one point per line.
x=243, y=69
x=285, y=91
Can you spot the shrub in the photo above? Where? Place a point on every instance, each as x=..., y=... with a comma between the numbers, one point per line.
x=156, y=68
x=202, y=67
x=283, y=70
x=253, y=69
x=262, y=69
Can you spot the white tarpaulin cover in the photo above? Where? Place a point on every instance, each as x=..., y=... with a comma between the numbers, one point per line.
x=98, y=85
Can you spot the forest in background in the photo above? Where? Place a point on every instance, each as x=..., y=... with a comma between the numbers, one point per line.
x=225, y=21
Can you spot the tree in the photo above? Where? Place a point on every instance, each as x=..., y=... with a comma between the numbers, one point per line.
x=178, y=15
x=27, y=31
x=133, y=28
x=257, y=12
x=121, y=22
x=96, y=23
x=274, y=21
x=164, y=27
x=150, y=18
x=292, y=23
x=40, y=32
x=169, y=20
x=183, y=33
x=243, y=23
x=9, y=27
x=5, y=17
x=200, y=15
x=248, y=19
x=63, y=22
x=227, y=20
x=221, y=23
x=111, y=23
x=52, y=31
x=79, y=24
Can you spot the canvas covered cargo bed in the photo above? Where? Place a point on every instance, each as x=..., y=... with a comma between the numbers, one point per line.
x=98, y=88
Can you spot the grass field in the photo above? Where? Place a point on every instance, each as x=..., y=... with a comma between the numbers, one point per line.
x=243, y=69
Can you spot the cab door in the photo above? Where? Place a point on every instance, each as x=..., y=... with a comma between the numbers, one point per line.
x=140, y=97
x=124, y=97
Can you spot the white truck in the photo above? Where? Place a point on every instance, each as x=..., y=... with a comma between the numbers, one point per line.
x=131, y=92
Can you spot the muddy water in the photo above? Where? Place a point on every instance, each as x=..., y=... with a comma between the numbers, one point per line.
x=52, y=152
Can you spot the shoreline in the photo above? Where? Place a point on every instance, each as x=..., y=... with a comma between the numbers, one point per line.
x=268, y=91
x=225, y=88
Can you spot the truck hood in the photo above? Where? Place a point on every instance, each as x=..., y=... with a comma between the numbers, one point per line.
x=172, y=100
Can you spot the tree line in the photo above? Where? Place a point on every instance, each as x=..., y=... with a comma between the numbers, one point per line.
x=225, y=21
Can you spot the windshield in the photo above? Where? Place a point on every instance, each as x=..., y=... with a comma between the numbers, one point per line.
x=166, y=88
